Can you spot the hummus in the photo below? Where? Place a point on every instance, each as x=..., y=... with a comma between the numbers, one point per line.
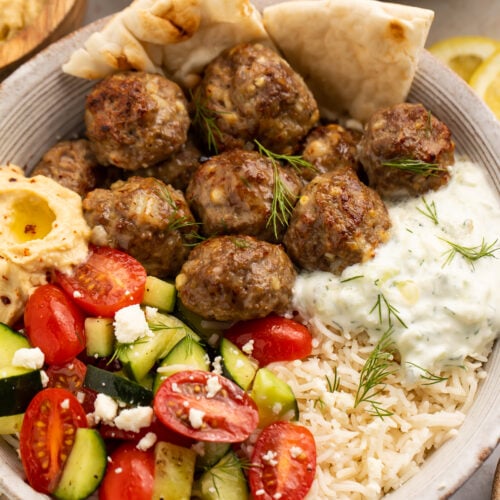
x=42, y=229
x=15, y=15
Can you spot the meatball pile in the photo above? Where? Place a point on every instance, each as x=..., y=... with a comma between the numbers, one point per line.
x=235, y=186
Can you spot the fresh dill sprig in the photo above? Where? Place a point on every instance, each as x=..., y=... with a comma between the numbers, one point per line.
x=189, y=334
x=231, y=463
x=122, y=347
x=382, y=303
x=297, y=162
x=333, y=385
x=429, y=210
x=414, y=166
x=427, y=375
x=376, y=369
x=471, y=254
x=352, y=278
x=206, y=119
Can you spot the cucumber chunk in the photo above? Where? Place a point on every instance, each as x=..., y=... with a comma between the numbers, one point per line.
x=11, y=424
x=212, y=453
x=17, y=391
x=187, y=354
x=274, y=398
x=100, y=337
x=138, y=359
x=225, y=480
x=237, y=365
x=174, y=472
x=11, y=341
x=85, y=467
x=117, y=387
x=160, y=294
x=209, y=331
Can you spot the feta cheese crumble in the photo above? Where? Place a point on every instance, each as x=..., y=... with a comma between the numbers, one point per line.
x=134, y=419
x=130, y=324
x=31, y=358
x=213, y=386
x=196, y=418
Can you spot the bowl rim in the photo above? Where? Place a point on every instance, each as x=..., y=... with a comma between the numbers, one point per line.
x=480, y=440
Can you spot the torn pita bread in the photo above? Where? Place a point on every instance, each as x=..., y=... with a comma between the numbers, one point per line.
x=355, y=55
x=172, y=37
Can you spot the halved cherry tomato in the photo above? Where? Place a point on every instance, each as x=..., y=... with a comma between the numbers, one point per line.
x=274, y=338
x=69, y=376
x=205, y=406
x=47, y=436
x=54, y=324
x=109, y=280
x=129, y=475
x=283, y=462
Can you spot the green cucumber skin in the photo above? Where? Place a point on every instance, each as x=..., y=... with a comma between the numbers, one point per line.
x=11, y=341
x=117, y=387
x=85, y=467
x=17, y=391
x=160, y=294
x=243, y=375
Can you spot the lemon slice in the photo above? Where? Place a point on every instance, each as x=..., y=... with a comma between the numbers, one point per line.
x=464, y=54
x=486, y=82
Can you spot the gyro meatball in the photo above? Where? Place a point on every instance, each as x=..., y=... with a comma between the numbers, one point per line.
x=145, y=217
x=233, y=193
x=328, y=147
x=136, y=119
x=337, y=222
x=253, y=93
x=177, y=169
x=70, y=163
x=406, y=151
x=231, y=278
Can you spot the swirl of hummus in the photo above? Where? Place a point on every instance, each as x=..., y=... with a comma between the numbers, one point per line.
x=42, y=229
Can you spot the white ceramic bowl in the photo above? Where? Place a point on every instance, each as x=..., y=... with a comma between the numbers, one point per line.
x=40, y=105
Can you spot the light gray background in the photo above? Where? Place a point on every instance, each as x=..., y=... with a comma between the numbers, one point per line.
x=453, y=17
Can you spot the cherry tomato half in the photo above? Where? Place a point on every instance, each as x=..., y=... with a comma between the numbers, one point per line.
x=205, y=406
x=54, y=324
x=283, y=462
x=129, y=475
x=274, y=338
x=47, y=436
x=69, y=376
x=109, y=280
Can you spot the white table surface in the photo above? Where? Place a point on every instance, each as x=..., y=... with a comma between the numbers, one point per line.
x=453, y=17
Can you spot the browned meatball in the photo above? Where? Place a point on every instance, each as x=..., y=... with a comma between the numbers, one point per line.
x=231, y=278
x=233, y=193
x=146, y=218
x=327, y=147
x=337, y=222
x=400, y=133
x=135, y=119
x=177, y=169
x=72, y=164
x=253, y=93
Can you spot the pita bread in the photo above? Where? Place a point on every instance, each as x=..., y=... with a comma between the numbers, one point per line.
x=173, y=37
x=355, y=55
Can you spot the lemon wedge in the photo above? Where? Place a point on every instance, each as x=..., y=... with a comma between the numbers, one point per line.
x=464, y=54
x=486, y=82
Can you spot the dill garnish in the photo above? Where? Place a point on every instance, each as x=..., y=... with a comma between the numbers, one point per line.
x=376, y=369
x=414, y=166
x=379, y=305
x=352, y=278
x=333, y=385
x=429, y=211
x=295, y=161
x=226, y=466
x=427, y=375
x=471, y=254
x=122, y=347
x=206, y=118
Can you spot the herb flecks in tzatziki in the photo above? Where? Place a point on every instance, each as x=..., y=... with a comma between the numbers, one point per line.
x=439, y=313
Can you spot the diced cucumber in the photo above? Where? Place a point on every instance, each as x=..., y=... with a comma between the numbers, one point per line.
x=225, y=480
x=212, y=453
x=237, y=365
x=17, y=391
x=85, y=467
x=117, y=387
x=174, y=472
x=11, y=423
x=100, y=337
x=209, y=331
x=11, y=341
x=140, y=357
x=160, y=294
x=274, y=398
x=187, y=354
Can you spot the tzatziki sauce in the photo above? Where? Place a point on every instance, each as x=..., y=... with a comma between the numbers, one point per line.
x=439, y=305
